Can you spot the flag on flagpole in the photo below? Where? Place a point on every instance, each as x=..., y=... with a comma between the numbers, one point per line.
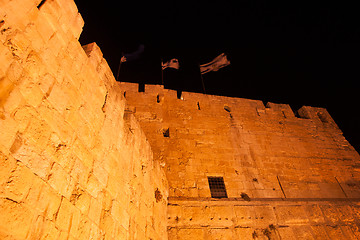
x=218, y=62
x=123, y=59
x=173, y=63
x=134, y=55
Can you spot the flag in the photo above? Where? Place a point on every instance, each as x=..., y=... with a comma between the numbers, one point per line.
x=134, y=55
x=173, y=63
x=123, y=59
x=218, y=62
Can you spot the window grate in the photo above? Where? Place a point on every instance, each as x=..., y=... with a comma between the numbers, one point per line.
x=217, y=187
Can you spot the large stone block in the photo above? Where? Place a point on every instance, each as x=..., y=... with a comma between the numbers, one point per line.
x=48, y=202
x=29, y=156
x=8, y=164
x=64, y=215
x=15, y=219
x=48, y=231
x=58, y=98
x=190, y=233
x=95, y=211
x=80, y=172
x=81, y=199
x=44, y=26
x=291, y=214
x=9, y=132
x=18, y=183
x=61, y=181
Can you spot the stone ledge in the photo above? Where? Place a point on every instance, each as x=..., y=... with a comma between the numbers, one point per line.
x=203, y=199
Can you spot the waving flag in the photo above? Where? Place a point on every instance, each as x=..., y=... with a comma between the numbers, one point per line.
x=134, y=55
x=218, y=62
x=173, y=63
x=123, y=59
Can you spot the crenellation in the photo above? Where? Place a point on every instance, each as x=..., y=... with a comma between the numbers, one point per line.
x=244, y=107
x=129, y=87
x=83, y=156
x=154, y=89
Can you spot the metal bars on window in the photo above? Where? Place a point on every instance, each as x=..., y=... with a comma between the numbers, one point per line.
x=217, y=187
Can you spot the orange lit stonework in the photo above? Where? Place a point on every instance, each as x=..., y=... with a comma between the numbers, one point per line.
x=85, y=157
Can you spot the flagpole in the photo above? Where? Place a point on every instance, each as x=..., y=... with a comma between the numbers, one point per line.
x=162, y=73
x=202, y=80
x=118, y=72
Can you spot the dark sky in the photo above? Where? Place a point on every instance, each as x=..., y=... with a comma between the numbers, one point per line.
x=295, y=52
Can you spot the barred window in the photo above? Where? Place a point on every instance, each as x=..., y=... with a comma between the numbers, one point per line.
x=217, y=187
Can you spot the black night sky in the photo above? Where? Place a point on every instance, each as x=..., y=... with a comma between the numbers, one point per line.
x=294, y=52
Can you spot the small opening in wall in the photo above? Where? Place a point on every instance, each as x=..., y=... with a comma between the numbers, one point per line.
x=41, y=3
x=125, y=94
x=141, y=87
x=166, y=132
x=158, y=195
x=198, y=106
x=227, y=108
x=296, y=113
x=217, y=187
x=179, y=94
x=158, y=98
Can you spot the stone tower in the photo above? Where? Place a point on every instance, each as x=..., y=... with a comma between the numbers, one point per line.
x=85, y=157
x=237, y=169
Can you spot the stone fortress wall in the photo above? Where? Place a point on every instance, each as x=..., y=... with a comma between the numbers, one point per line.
x=74, y=164
x=287, y=175
x=85, y=157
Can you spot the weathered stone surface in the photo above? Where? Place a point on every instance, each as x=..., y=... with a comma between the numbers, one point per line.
x=265, y=155
x=70, y=164
x=85, y=157
x=16, y=219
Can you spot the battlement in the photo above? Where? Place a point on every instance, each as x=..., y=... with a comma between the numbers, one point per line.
x=157, y=93
x=198, y=135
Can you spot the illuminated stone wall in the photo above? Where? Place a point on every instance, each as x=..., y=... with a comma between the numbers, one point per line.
x=286, y=176
x=74, y=163
x=83, y=156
